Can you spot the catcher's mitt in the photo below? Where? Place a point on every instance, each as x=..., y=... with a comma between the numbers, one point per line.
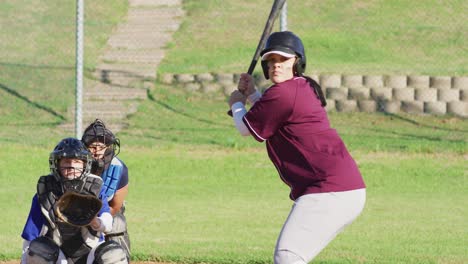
x=77, y=209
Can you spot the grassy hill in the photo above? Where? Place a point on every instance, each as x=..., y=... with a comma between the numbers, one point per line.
x=382, y=37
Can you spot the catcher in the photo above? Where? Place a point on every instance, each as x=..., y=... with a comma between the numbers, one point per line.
x=69, y=213
x=105, y=147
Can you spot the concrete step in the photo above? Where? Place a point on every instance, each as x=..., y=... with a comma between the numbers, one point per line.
x=125, y=75
x=145, y=29
x=145, y=16
x=125, y=78
x=142, y=71
x=115, y=116
x=106, y=109
x=155, y=3
x=110, y=106
x=151, y=32
x=140, y=56
x=130, y=43
x=104, y=92
x=69, y=127
x=132, y=38
x=121, y=80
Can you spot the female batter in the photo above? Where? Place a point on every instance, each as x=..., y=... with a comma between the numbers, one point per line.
x=326, y=185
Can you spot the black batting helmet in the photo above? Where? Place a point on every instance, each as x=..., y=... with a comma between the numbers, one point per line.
x=284, y=43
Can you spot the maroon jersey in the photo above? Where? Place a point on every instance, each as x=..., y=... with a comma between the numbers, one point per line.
x=309, y=155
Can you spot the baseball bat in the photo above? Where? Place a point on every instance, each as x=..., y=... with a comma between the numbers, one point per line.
x=275, y=9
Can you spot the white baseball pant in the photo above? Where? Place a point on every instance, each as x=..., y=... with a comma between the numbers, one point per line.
x=314, y=221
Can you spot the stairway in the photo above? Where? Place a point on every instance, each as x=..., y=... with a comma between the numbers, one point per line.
x=127, y=68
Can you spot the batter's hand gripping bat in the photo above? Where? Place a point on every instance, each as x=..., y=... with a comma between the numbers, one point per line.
x=275, y=9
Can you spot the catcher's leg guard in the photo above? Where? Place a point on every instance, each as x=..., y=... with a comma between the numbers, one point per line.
x=119, y=233
x=110, y=252
x=42, y=250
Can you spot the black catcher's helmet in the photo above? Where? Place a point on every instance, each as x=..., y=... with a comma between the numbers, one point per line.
x=285, y=42
x=97, y=132
x=70, y=148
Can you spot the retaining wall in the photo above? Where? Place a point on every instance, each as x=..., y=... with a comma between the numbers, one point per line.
x=417, y=94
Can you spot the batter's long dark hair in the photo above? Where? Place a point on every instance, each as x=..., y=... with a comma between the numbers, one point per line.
x=317, y=89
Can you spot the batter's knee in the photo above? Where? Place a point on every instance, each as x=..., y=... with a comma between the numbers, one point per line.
x=110, y=252
x=288, y=257
x=42, y=250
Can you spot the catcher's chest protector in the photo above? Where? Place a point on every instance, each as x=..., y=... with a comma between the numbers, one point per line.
x=49, y=191
x=111, y=177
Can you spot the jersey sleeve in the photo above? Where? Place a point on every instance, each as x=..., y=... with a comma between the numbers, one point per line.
x=35, y=221
x=269, y=113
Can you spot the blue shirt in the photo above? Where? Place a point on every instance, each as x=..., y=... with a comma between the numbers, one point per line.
x=36, y=219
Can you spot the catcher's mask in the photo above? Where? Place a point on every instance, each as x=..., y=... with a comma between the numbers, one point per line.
x=97, y=132
x=70, y=148
x=285, y=43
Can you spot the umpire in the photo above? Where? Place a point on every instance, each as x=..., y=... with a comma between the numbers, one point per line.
x=105, y=147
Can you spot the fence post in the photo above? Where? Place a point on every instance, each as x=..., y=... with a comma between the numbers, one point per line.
x=79, y=67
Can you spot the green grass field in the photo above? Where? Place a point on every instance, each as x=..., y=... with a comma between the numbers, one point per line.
x=380, y=37
x=200, y=193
